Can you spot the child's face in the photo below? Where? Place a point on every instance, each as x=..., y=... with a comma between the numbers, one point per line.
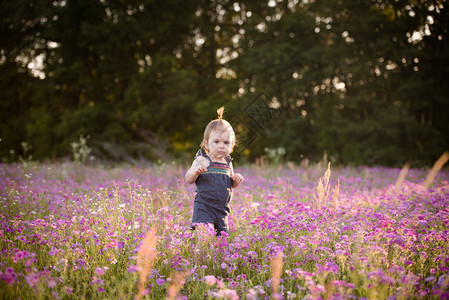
x=219, y=144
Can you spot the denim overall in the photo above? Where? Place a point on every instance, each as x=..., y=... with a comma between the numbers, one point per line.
x=213, y=194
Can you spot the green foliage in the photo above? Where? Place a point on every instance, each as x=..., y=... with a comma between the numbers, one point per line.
x=364, y=81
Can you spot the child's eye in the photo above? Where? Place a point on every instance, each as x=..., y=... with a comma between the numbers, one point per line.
x=227, y=143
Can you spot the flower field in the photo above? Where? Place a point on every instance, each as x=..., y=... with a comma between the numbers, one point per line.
x=77, y=232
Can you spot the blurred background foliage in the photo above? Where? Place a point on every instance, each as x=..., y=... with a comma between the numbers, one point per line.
x=364, y=81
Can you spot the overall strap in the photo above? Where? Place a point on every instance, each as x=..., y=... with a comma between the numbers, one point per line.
x=201, y=153
x=228, y=159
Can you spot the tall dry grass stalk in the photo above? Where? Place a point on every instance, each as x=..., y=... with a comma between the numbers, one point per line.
x=145, y=260
x=436, y=168
x=402, y=175
x=276, y=272
x=323, y=187
x=177, y=281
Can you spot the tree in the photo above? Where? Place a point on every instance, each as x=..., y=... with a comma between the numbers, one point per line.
x=363, y=81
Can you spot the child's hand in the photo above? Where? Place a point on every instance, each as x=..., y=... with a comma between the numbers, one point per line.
x=237, y=178
x=200, y=170
x=201, y=165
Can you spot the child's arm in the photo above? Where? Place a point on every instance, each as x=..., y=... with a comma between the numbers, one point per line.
x=199, y=166
x=237, y=178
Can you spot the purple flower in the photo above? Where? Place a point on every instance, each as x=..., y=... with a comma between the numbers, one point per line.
x=133, y=268
x=339, y=252
x=32, y=279
x=277, y=296
x=97, y=281
x=55, y=294
x=160, y=281
x=9, y=276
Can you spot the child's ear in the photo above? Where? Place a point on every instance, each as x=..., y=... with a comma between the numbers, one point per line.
x=205, y=145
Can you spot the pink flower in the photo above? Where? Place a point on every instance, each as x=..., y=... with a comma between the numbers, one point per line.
x=29, y=262
x=51, y=283
x=99, y=271
x=228, y=294
x=210, y=279
x=20, y=255
x=145, y=292
x=220, y=284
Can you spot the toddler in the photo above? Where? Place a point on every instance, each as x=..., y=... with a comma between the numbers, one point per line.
x=214, y=176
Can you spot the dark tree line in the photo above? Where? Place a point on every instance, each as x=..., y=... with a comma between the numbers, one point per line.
x=364, y=81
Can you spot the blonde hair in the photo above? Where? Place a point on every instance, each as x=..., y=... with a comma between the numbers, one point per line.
x=218, y=124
